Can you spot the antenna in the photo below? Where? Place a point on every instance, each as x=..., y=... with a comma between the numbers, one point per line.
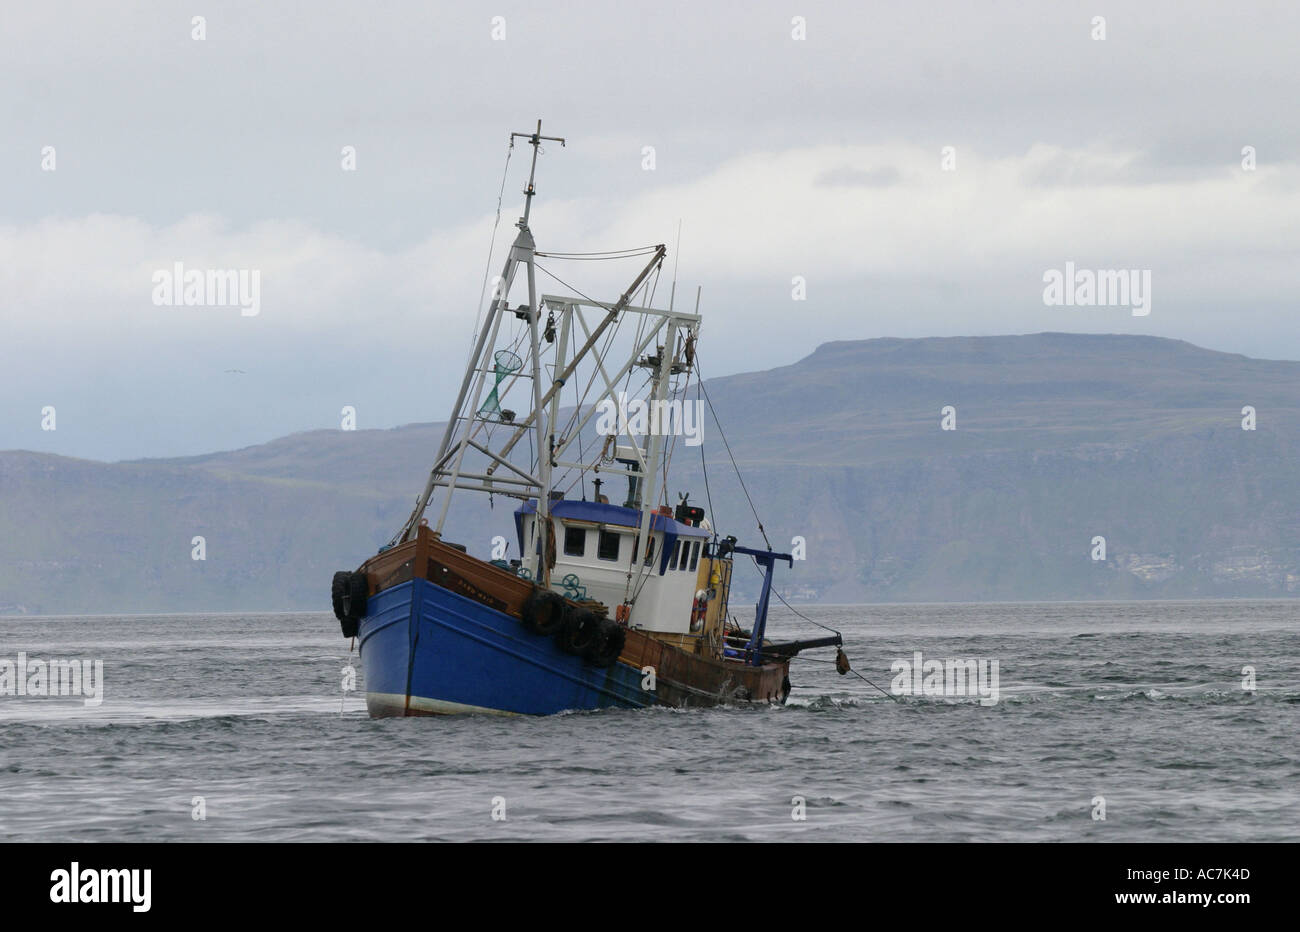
x=534, y=140
x=676, y=251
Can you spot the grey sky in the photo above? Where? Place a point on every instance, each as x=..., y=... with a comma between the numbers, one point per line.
x=818, y=158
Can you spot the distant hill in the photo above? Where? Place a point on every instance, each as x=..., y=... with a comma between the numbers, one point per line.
x=1059, y=438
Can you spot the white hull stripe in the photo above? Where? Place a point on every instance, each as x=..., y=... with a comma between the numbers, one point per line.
x=397, y=704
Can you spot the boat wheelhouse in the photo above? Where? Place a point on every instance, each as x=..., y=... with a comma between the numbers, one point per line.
x=597, y=546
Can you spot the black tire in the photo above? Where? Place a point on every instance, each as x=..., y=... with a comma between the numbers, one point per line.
x=579, y=631
x=358, y=595
x=337, y=588
x=544, y=612
x=348, y=592
x=605, y=650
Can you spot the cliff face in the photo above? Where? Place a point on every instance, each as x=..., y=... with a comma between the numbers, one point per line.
x=1059, y=439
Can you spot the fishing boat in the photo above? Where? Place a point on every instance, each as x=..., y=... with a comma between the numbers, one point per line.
x=607, y=604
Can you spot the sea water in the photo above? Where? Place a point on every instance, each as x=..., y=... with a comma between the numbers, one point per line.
x=1138, y=721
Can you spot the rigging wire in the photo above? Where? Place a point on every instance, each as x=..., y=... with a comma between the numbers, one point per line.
x=577, y=406
x=704, y=467
x=588, y=298
x=599, y=256
x=591, y=379
x=672, y=444
x=741, y=480
x=723, y=435
x=595, y=370
x=487, y=268
x=481, y=316
x=644, y=289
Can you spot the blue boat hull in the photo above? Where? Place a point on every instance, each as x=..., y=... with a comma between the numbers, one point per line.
x=426, y=650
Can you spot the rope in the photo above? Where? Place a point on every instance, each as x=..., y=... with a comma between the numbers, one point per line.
x=851, y=670
x=791, y=607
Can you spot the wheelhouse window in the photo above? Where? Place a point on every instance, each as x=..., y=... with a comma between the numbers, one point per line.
x=649, y=551
x=677, y=552
x=695, y=554
x=575, y=541
x=607, y=546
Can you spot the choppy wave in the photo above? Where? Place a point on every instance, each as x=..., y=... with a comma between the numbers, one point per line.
x=1143, y=704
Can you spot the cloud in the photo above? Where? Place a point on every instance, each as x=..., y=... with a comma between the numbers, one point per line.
x=848, y=176
x=888, y=242
x=757, y=216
